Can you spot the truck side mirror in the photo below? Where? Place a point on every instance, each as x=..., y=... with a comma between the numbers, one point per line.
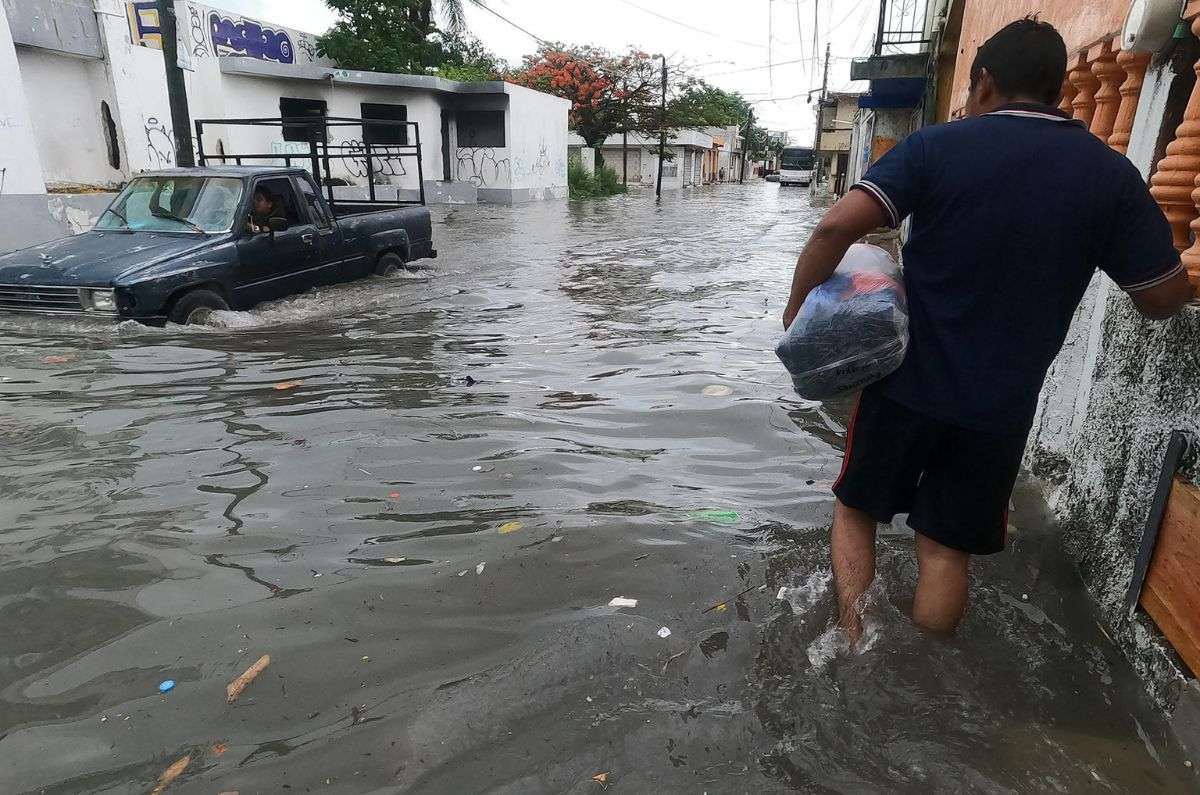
x=277, y=224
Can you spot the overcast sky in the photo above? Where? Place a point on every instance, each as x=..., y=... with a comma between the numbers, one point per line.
x=723, y=41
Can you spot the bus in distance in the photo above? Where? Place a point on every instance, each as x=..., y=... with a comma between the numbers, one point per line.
x=796, y=166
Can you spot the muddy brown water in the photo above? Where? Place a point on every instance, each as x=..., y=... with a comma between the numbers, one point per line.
x=168, y=514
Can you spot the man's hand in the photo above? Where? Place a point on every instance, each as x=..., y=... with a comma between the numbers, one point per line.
x=1164, y=300
x=854, y=215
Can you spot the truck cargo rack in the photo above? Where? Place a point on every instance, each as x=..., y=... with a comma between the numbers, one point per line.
x=321, y=152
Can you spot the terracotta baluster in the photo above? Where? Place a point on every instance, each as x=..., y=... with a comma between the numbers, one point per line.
x=1068, y=94
x=1108, y=97
x=1084, y=102
x=1175, y=179
x=1134, y=64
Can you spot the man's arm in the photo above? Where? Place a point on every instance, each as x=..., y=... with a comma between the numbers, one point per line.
x=854, y=215
x=1163, y=301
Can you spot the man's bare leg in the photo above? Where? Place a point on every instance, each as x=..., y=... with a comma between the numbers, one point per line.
x=941, y=597
x=853, y=551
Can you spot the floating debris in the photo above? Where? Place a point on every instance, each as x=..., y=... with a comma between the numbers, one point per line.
x=510, y=527
x=479, y=568
x=717, y=390
x=235, y=688
x=394, y=495
x=664, y=633
x=170, y=774
x=600, y=778
x=621, y=601
x=58, y=359
x=166, y=686
x=285, y=385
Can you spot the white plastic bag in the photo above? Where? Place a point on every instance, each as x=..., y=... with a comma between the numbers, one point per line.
x=851, y=331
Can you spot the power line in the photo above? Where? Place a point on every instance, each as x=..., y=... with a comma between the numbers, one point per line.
x=721, y=36
x=777, y=63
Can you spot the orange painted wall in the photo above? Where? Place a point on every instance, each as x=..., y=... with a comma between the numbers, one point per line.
x=1081, y=23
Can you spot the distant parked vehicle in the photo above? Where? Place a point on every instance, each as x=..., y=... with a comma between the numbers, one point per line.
x=796, y=166
x=175, y=245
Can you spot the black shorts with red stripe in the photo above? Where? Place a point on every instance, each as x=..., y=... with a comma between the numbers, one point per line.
x=954, y=483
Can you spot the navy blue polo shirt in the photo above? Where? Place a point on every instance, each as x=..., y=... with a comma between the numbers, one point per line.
x=1012, y=212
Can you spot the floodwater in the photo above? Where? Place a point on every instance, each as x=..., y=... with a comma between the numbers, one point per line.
x=575, y=402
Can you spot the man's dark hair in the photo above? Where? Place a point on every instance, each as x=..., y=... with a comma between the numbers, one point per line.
x=1026, y=58
x=265, y=192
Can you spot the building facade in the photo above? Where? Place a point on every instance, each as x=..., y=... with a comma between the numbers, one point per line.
x=836, y=115
x=86, y=106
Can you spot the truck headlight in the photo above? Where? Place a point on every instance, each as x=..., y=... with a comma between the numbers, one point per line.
x=99, y=300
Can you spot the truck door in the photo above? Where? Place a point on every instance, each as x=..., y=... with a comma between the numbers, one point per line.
x=279, y=263
x=336, y=262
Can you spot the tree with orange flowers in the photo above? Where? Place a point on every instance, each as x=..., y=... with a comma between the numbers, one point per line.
x=608, y=93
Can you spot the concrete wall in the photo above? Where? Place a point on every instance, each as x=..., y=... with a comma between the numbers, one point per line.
x=65, y=93
x=36, y=218
x=1111, y=399
x=20, y=169
x=536, y=133
x=259, y=96
x=1081, y=23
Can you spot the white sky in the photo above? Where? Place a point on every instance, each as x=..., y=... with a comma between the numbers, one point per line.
x=724, y=36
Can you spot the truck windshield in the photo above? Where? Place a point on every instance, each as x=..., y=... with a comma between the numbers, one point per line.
x=175, y=204
x=796, y=160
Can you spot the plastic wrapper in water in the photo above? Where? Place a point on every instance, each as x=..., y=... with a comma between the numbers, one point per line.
x=851, y=331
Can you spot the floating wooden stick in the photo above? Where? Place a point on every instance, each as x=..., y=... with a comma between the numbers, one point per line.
x=235, y=688
x=170, y=774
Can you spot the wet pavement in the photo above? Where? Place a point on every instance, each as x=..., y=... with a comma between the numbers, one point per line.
x=425, y=528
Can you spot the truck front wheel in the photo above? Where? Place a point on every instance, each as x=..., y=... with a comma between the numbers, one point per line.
x=195, y=307
x=388, y=264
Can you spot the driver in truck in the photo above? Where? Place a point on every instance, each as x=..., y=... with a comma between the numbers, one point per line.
x=266, y=207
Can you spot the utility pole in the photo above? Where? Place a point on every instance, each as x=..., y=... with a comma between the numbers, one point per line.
x=662, y=129
x=181, y=121
x=625, y=139
x=746, y=145
x=821, y=115
x=880, y=31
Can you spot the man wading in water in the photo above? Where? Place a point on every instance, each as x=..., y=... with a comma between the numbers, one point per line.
x=1012, y=210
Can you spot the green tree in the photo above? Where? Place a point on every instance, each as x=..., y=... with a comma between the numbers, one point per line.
x=402, y=36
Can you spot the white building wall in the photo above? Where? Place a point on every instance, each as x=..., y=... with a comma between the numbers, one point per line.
x=137, y=83
x=253, y=96
x=20, y=168
x=67, y=91
x=536, y=134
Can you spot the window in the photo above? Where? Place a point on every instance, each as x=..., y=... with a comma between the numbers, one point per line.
x=292, y=108
x=480, y=128
x=175, y=204
x=315, y=208
x=281, y=191
x=394, y=134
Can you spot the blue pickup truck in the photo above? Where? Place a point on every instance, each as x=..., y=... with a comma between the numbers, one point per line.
x=175, y=245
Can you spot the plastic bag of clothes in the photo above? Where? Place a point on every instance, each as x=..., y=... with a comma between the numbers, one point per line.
x=852, y=330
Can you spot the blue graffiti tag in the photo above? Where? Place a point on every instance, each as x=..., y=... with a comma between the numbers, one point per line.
x=248, y=37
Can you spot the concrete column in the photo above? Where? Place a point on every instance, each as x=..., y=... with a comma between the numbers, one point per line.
x=587, y=159
x=20, y=166
x=138, y=84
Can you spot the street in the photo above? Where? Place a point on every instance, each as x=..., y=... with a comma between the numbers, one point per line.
x=419, y=496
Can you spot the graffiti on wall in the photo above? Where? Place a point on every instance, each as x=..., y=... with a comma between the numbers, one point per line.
x=144, y=29
x=205, y=32
x=196, y=33
x=160, y=144
x=238, y=36
x=480, y=166
x=384, y=161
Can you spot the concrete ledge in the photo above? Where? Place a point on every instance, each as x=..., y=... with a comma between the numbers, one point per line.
x=521, y=195
x=450, y=193
x=889, y=67
x=34, y=218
